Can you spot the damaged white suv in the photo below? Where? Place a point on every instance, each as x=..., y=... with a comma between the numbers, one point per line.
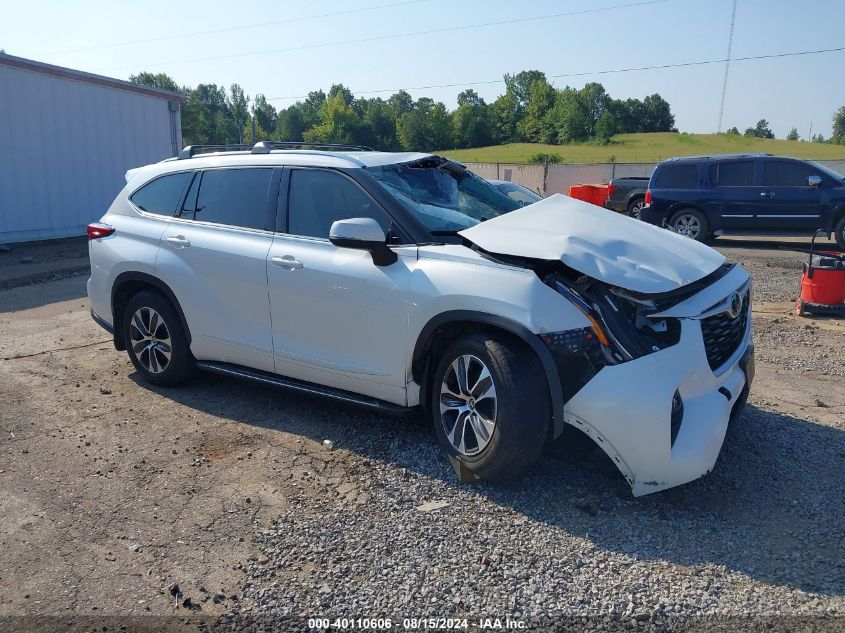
x=396, y=281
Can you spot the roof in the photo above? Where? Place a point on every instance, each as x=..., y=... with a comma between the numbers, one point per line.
x=275, y=158
x=714, y=157
x=97, y=80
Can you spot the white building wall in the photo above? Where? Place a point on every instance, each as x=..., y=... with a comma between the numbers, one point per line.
x=65, y=146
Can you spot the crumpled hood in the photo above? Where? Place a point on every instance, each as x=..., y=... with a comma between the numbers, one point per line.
x=603, y=244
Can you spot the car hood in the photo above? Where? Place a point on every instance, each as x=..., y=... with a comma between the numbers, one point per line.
x=603, y=244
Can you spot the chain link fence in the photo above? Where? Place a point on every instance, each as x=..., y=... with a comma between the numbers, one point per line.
x=549, y=179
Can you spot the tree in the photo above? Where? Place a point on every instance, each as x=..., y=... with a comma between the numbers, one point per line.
x=657, y=115
x=343, y=91
x=535, y=125
x=290, y=123
x=238, y=105
x=793, y=135
x=839, y=126
x=338, y=122
x=265, y=116
x=510, y=107
x=473, y=122
x=426, y=126
x=761, y=130
x=157, y=80
x=732, y=131
x=818, y=138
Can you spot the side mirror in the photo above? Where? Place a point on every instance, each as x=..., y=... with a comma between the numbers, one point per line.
x=364, y=234
x=814, y=180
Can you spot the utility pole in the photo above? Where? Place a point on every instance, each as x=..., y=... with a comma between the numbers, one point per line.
x=253, y=124
x=727, y=66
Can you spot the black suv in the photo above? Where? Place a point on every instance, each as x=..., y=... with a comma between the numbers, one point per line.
x=706, y=196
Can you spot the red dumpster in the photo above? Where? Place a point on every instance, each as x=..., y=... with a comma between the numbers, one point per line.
x=594, y=194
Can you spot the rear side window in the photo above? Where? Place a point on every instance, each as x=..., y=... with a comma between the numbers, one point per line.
x=236, y=197
x=677, y=177
x=319, y=198
x=738, y=174
x=162, y=195
x=780, y=173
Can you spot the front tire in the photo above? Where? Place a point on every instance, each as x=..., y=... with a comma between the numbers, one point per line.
x=156, y=341
x=691, y=223
x=490, y=406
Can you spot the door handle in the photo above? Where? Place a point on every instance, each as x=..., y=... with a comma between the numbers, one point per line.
x=767, y=194
x=179, y=241
x=286, y=261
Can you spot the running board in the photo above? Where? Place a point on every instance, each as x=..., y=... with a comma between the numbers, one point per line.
x=256, y=375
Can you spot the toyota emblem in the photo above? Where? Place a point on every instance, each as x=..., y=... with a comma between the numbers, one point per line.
x=736, y=305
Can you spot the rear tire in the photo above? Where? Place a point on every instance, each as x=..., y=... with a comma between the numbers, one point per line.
x=156, y=341
x=635, y=206
x=490, y=406
x=691, y=223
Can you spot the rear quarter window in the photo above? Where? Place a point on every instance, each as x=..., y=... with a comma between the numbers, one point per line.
x=677, y=177
x=736, y=174
x=162, y=195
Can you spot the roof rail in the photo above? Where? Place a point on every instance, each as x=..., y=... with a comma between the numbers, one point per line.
x=749, y=155
x=191, y=150
x=264, y=147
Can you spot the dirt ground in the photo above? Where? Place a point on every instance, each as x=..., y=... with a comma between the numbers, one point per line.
x=113, y=490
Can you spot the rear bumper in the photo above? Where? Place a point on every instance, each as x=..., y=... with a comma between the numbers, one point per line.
x=653, y=216
x=627, y=409
x=616, y=205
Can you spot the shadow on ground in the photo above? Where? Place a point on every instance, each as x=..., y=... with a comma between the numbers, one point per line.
x=778, y=485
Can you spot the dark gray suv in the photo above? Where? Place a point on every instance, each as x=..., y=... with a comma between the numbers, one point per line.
x=706, y=196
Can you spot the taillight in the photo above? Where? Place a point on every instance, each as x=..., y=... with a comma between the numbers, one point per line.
x=610, y=190
x=648, y=196
x=97, y=229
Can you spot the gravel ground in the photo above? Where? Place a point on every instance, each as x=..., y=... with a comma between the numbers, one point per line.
x=761, y=537
x=121, y=501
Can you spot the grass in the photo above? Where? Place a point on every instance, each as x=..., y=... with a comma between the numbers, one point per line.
x=647, y=148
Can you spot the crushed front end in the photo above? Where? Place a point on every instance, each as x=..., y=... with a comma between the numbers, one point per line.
x=657, y=378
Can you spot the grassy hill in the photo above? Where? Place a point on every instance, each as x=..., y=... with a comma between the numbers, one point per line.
x=647, y=148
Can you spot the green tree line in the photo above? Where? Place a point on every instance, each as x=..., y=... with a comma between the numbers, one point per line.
x=530, y=110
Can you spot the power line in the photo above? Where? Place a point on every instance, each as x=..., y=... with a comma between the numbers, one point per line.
x=595, y=72
x=394, y=36
x=727, y=68
x=230, y=29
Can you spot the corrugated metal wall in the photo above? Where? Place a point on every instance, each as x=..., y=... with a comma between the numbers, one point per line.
x=64, y=149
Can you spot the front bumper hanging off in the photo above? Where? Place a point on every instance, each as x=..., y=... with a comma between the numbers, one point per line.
x=627, y=409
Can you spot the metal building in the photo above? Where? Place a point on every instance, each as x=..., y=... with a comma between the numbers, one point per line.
x=66, y=140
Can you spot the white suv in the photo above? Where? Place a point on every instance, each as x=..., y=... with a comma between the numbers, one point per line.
x=396, y=281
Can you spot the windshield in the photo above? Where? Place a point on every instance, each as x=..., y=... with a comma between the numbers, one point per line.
x=519, y=193
x=445, y=196
x=827, y=170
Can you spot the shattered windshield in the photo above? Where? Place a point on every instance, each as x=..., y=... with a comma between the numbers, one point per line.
x=445, y=196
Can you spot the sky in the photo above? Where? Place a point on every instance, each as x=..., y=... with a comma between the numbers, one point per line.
x=305, y=49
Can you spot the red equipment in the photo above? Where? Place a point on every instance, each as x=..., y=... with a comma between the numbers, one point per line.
x=823, y=282
x=594, y=194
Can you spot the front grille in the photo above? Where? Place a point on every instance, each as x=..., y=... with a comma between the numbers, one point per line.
x=723, y=334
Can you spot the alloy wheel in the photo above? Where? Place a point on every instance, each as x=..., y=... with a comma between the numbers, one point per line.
x=688, y=225
x=468, y=405
x=150, y=340
x=636, y=208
